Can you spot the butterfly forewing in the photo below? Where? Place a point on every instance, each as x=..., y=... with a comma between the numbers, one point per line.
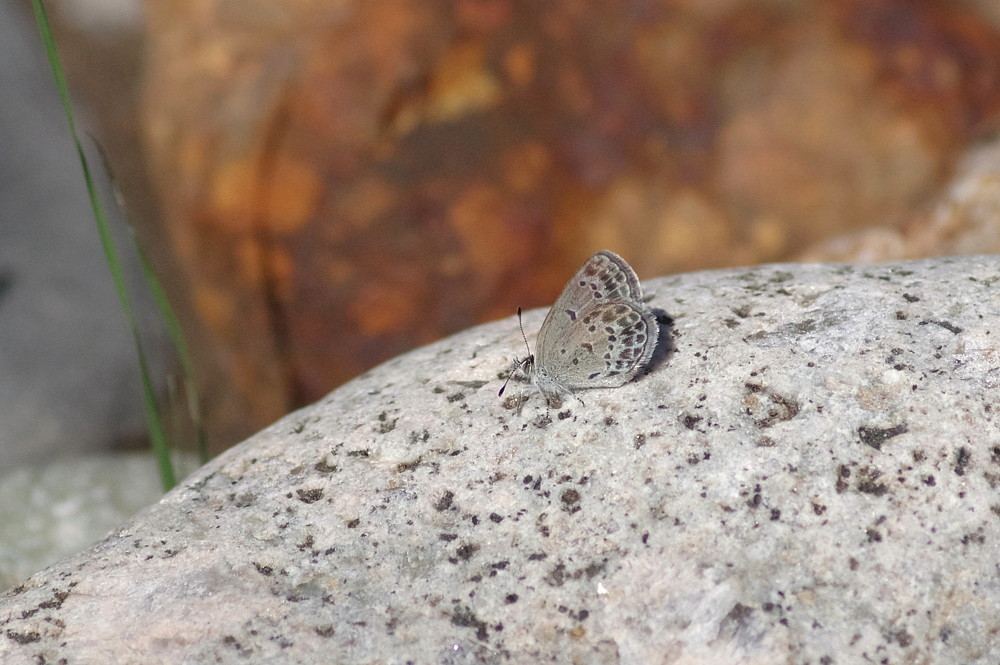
x=604, y=277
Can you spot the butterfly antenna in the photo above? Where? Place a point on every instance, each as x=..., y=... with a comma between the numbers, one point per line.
x=504, y=386
x=517, y=363
x=521, y=326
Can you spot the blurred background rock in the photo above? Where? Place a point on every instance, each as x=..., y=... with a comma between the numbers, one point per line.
x=324, y=185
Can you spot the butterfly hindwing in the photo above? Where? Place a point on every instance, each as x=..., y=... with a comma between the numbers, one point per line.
x=608, y=345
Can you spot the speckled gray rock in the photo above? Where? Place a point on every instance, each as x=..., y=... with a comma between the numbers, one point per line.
x=809, y=476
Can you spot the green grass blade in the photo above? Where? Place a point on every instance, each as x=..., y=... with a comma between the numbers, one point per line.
x=177, y=338
x=156, y=430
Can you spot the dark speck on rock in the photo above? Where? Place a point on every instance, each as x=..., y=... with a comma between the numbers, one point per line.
x=309, y=496
x=962, y=459
x=691, y=421
x=556, y=576
x=419, y=437
x=743, y=311
x=26, y=637
x=876, y=436
x=571, y=500
x=464, y=617
x=736, y=621
x=385, y=425
x=977, y=537
x=244, y=499
x=950, y=327
x=544, y=420
x=444, y=503
x=411, y=465
x=868, y=482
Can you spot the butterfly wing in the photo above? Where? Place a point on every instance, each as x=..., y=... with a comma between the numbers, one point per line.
x=599, y=333
x=606, y=348
x=604, y=277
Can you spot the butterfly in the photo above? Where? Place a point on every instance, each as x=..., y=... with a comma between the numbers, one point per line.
x=598, y=334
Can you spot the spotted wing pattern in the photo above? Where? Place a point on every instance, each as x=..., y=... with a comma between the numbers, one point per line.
x=599, y=333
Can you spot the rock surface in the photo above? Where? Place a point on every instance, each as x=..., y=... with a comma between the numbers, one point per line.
x=809, y=474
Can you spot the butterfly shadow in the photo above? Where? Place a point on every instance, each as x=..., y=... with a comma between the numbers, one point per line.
x=664, y=343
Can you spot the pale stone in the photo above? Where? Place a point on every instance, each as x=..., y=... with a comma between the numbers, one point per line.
x=808, y=474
